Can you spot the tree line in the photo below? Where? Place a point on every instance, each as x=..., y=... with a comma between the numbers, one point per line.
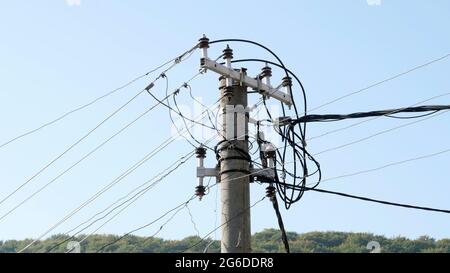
x=267, y=241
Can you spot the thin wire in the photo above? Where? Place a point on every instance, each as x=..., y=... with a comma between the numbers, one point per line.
x=136, y=196
x=93, y=101
x=130, y=193
x=381, y=82
x=377, y=134
x=146, y=225
x=226, y=222
x=88, y=134
x=416, y=116
x=76, y=163
x=134, y=199
x=154, y=181
x=215, y=221
x=107, y=187
x=371, y=119
x=387, y=165
x=68, y=149
x=192, y=221
x=115, y=215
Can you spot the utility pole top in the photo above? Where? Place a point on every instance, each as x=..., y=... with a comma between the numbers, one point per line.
x=265, y=88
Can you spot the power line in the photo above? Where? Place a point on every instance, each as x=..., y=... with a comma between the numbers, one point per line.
x=70, y=148
x=154, y=181
x=131, y=192
x=85, y=136
x=134, y=198
x=226, y=222
x=371, y=119
x=110, y=185
x=387, y=165
x=29, y=132
x=381, y=82
x=107, y=187
x=284, y=238
x=194, y=225
x=76, y=163
x=380, y=201
x=386, y=113
x=131, y=200
x=377, y=134
x=146, y=225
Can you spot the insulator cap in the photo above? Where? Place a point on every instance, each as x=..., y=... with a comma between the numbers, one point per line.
x=200, y=191
x=200, y=152
x=269, y=154
x=287, y=81
x=203, y=42
x=266, y=71
x=228, y=53
x=228, y=92
x=270, y=191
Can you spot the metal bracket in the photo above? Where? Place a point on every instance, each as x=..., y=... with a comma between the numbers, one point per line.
x=206, y=172
x=203, y=172
x=265, y=89
x=267, y=172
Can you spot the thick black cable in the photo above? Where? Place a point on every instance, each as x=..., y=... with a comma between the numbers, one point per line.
x=363, y=198
x=388, y=113
x=284, y=237
x=302, y=130
x=380, y=201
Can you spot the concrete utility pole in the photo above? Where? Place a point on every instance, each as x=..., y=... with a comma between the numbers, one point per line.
x=234, y=170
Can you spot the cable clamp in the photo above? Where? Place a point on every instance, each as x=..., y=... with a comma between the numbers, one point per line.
x=241, y=77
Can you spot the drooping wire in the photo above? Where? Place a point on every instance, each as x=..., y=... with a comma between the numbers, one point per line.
x=192, y=220
x=107, y=187
x=68, y=149
x=79, y=108
x=134, y=198
x=76, y=163
x=141, y=190
x=382, y=81
x=182, y=205
x=289, y=137
x=378, y=133
x=223, y=224
x=29, y=180
x=373, y=118
x=363, y=198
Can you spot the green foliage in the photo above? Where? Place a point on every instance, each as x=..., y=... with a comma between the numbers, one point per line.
x=267, y=241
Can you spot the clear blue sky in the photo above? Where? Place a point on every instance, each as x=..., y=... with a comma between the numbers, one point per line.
x=54, y=57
